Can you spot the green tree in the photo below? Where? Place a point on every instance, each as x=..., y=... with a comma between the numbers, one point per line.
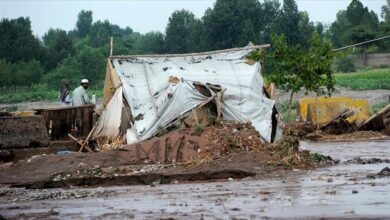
x=92, y=62
x=384, y=27
x=27, y=73
x=58, y=45
x=354, y=25
x=269, y=14
x=17, y=41
x=84, y=23
x=295, y=25
x=385, y=13
x=151, y=43
x=232, y=23
x=5, y=73
x=292, y=68
x=288, y=22
x=179, y=32
x=320, y=29
x=69, y=68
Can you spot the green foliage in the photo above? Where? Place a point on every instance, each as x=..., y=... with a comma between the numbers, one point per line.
x=69, y=68
x=364, y=80
x=36, y=92
x=88, y=63
x=82, y=52
x=319, y=157
x=385, y=14
x=293, y=24
x=378, y=106
x=151, y=43
x=59, y=46
x=232, y=23
x=33, y=93
x=21, y=73
x=18, y=42
x=84, y=23
x=345, y=64
x=354, y=25
x=92, y=63
x=161, y=131
x=199, y=128
x=283, y=110
x=293, y=68
x=211, y=118
x=181, y=32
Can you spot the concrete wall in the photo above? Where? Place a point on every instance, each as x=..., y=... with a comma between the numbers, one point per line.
x=371, y=60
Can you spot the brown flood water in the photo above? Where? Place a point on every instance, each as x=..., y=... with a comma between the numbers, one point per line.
x=342, y=190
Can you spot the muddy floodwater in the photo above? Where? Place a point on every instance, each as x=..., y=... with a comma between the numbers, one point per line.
x=351, y=188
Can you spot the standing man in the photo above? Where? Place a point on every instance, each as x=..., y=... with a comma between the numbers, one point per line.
x=80, y=95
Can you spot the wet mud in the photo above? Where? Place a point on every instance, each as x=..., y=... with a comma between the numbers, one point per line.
x=339, y=191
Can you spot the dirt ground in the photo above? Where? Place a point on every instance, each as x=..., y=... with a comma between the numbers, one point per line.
x=355, y=187
x=323, y=175
x=373, y=96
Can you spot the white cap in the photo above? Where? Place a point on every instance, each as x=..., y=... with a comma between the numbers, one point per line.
x=84, y=81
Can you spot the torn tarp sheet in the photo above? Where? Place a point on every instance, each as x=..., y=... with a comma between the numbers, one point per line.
x=146, y=85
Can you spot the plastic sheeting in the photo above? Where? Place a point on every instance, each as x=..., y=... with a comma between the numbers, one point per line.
x=110, y=120
x=148, y=91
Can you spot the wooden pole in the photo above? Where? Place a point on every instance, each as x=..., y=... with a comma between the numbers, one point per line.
x=316, y=109
x=112, y=39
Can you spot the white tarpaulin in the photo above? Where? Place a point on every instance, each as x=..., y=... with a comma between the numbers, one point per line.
x=149, y=92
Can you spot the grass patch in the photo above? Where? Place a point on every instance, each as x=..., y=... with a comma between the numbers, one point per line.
x=378, y=106
x=283, y=109
x=35, y=93
x=199, y=128
x=364, y=80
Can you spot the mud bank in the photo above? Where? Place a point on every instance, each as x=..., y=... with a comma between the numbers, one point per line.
x=339, y=191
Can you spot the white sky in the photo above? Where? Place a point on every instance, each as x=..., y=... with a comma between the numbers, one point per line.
x=142, y=15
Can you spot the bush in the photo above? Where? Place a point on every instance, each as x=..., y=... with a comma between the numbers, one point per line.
x=345, y=65
x=30, y=93
x=199, y=128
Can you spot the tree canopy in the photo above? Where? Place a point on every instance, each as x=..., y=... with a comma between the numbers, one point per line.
x=82, y=52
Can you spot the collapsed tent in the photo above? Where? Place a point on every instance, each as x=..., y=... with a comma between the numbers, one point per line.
x=144, y=93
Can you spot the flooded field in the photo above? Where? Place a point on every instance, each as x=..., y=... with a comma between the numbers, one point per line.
x=351, y=188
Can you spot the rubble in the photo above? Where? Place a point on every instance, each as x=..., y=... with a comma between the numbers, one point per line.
x=340, y=124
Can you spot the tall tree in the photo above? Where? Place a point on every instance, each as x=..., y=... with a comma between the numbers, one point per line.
x=385, y=14
x=152, y=43
x=292, y=68
x=288, y=22
x=59, y=46
x=293, y=24
x=232, y=23
x=84, y=23
x=180, y=31
x=17, y=41
x=268, y=17
x=354, y=25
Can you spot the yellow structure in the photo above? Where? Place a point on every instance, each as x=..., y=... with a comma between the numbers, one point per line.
x=328, y=108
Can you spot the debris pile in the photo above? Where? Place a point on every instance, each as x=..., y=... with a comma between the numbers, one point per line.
x=233, y=137
x=340, y=124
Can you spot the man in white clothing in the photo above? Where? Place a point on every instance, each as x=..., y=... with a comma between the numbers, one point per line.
x=80, y=95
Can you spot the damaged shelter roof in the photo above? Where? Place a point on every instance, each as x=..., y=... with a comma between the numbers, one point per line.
x=159, y=89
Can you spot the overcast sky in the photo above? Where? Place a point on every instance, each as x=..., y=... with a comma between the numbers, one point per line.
x=142, y=15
